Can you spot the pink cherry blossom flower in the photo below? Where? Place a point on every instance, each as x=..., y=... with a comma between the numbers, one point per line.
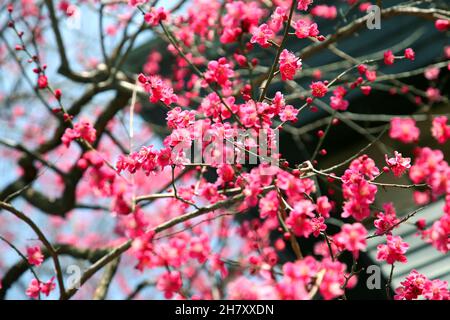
x=323, y=206
x=240, y=17
x=371, y=75
x=288, y=113
x=412, y=287
x=47, y=287
x=389, y=57
x=357, y=191
x=81, y=130
x=429, y=167
x=398, y=164
x=421, y=224
x=393, y=251
x=142, y=247
x=386, y=220
x=136, y=2
x=304, y=29
x=366, y=90
x=158, y=89
x=364, y=165
x=439, y=234
x=318, y=226
x=318, y=89
x=242, y=288
x=434, y=94
x=219, y=72
x=155, y=16
x=35, y=256
x=178, y=118
x=146, y=159
x=333, y=280
x=436, y=290
x=299, y=219
x=404, y=130
x=42, y=81
x=324, y=11
x=421, y=198
x=304, y=4
x=432, y=73
x=442, y=24
x=410, y=54
x=301, y=270
x=279, y=16
x=33, y=289
x=352, y=238
x=170, y=283
x=269, y=205
x=278, y=103
x=337, y=101
x=225, y=172
x=199, y=248
x=440, y=130
x=289, y=65
x=356, y=209
x=261, y=35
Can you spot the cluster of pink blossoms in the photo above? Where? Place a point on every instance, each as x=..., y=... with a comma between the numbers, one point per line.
x=169, y=282
x=101, y=178
x=146, y=159
x=306, y=217
x=337, y=101
x=158, y=89
x=299, y=219
x=219, y=72
x=416, y=285
x=35, y=257
x=289, y=65
x=81, y=130
x=386, y=221
x=261, y=35
x=178, y=118
x=430, y=167
x=278, y=17
x=393, y=251
x=304, y=29
x=212, y=107
x=240, y=17
x=297, y=278
x=398, y=164
x=155, y=16
x=35, y=288
x=357, y=191
x=439, y=233
x=306, y=214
